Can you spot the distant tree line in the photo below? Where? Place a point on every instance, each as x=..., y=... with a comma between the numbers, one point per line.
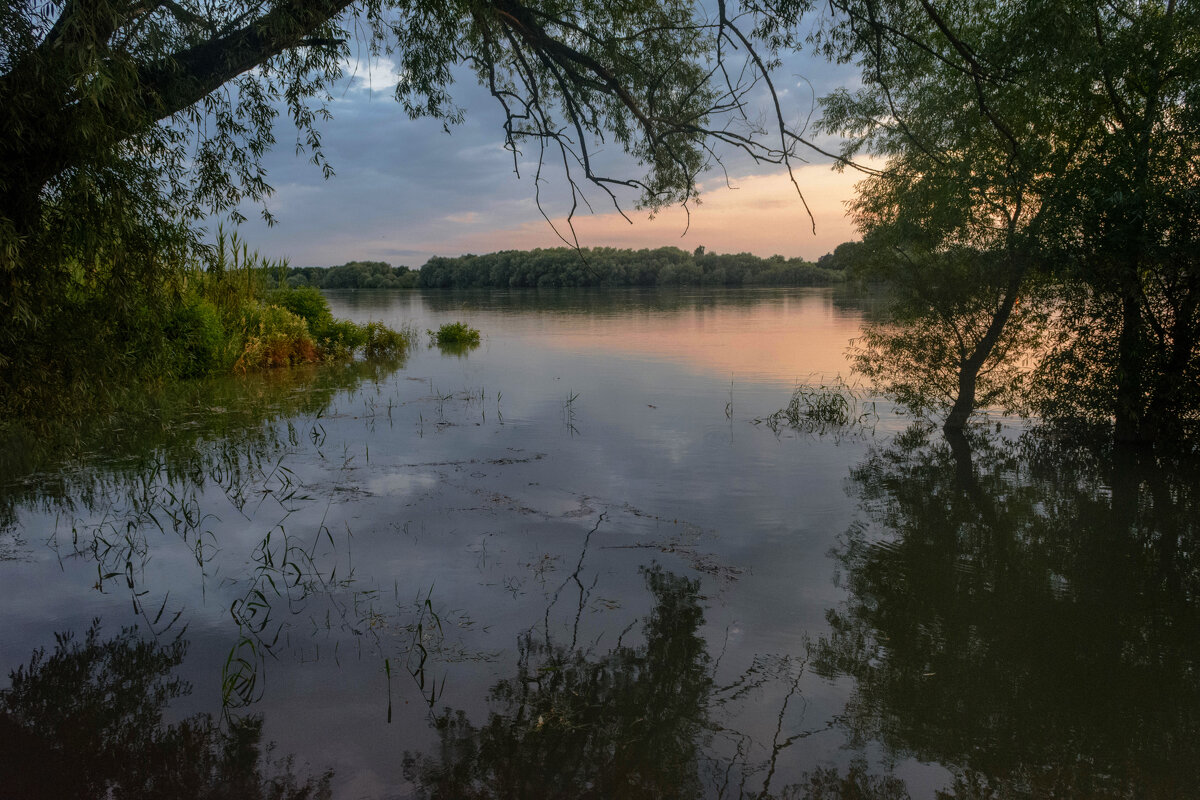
x=567, y=267
x=352, y=275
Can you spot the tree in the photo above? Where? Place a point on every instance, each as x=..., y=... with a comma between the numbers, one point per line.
x=956, y=101
x=1129, y=222
x=954, y=337
x=122, y=122
x=1055, y=134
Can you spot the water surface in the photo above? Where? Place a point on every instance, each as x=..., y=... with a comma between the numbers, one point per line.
x=569, y=563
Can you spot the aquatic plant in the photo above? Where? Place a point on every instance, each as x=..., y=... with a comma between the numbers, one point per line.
x=455, y=333
x=821, y=407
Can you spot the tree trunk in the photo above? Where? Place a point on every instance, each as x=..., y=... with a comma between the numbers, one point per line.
x=1172, y=393
x=964, y=403
x=1131, y=425
x=968, y=369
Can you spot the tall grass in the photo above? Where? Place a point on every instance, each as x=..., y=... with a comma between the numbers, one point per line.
x=210, y=314
x=825, y=406
x=226, y=320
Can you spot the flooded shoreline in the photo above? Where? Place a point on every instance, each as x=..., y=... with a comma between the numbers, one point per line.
x=568, y=557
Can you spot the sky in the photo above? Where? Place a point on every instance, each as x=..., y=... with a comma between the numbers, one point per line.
x=405, y=190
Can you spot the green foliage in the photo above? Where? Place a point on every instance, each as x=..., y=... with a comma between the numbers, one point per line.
x=1061, y=139
x=301, y=329
x=455, y=333
x=305, y=302
x=213, y=317
x=942, y=308
x=122, y=126
x=351, y=275
x=606, y=266
x=197, y=337
x=380, y=340
x=274, y=337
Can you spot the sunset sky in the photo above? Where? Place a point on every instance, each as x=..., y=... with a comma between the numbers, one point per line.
x=405, y=190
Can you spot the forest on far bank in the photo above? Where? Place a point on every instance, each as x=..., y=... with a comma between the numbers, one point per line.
x=568, y=267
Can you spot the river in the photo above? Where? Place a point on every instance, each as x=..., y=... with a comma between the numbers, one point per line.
x=579, y=561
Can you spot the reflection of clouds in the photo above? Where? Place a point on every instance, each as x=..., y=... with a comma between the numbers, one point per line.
x=462, y=512
x=401, y=483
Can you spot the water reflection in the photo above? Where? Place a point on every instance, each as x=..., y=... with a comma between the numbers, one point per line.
x=571, y=723
x=156, y=470
x=643, y=720
x=223, y=429
x=86, y=721
x=1024, y=612
x=752, y=333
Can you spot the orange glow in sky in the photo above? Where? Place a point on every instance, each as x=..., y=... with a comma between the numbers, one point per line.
x=760, y=214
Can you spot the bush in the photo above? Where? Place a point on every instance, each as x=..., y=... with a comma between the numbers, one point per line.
x=384, y=341
x=195, y=337
x=339, y=338
x=274, y=337
x=306, y=302
x=454, y=333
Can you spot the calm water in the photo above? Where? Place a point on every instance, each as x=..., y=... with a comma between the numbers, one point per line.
x=569, y=563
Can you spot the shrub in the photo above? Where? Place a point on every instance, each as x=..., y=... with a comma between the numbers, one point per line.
x=306, y=302
x=455, y=333
x=274, y=337
x=383, y=341
x=196, y=337
x=339, y=338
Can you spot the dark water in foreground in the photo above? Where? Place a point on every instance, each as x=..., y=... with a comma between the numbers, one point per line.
x=569, y=564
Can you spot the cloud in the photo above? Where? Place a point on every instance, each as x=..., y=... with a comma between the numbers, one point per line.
x=405, y=189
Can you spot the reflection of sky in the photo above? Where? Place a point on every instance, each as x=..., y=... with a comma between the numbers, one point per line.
x=406, y=189
x=786, y=338
x=767, y=335
x=461, y=479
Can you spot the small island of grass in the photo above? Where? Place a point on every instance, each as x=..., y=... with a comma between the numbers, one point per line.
x=454, y=334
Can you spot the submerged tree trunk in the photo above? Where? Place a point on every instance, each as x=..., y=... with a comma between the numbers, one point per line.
x=964, y=403
x=1131, y=423
x=969, y=367
x=1174, y=391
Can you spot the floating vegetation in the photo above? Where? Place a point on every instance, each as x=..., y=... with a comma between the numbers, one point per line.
x=823, y=407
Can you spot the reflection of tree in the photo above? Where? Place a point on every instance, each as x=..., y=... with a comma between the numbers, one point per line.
x=640, y=721
x=148, y=470
x=217, y=431
x=86, y=722
x=1027, y=616
x=629, y=723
